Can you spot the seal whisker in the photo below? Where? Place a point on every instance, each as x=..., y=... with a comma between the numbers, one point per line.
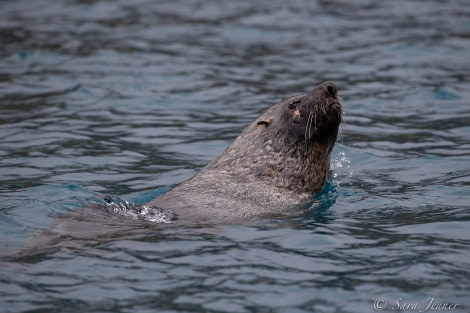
x=307, y=128
x=340, y=118
x=316, y=123
x=305, y=135
x=323, y=110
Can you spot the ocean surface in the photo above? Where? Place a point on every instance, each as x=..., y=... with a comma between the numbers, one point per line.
x=125, y=99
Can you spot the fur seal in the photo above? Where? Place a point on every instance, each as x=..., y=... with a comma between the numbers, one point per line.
x=274, y=166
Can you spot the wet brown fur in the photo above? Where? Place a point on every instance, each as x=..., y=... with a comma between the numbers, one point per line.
x=277, y=163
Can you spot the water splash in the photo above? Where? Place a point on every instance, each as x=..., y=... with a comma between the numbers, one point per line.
x=338, y=164
x=139, y=212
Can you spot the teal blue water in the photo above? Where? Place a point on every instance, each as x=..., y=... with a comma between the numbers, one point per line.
x=126, y=99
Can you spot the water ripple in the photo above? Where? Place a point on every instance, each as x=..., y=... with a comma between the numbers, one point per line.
x=128, y=99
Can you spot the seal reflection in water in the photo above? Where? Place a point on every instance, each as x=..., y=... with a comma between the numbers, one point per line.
x=274, y=166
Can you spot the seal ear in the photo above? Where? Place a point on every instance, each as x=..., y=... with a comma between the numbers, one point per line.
x=265, y=122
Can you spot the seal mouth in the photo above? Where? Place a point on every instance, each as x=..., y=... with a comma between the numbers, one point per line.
x=318, y=114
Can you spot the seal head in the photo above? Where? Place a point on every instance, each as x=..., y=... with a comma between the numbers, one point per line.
x=300, y=136
x=277, y=163
x=316, y=117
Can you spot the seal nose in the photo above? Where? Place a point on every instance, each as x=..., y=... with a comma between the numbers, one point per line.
x=331, y=89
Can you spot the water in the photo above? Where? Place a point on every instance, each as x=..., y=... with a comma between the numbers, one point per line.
x=127, y=99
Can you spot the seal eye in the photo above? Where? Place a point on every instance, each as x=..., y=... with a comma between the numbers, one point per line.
x=294, y=105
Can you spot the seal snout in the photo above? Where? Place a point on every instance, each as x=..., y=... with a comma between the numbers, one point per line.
x=330, y=92
x=331, y=89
